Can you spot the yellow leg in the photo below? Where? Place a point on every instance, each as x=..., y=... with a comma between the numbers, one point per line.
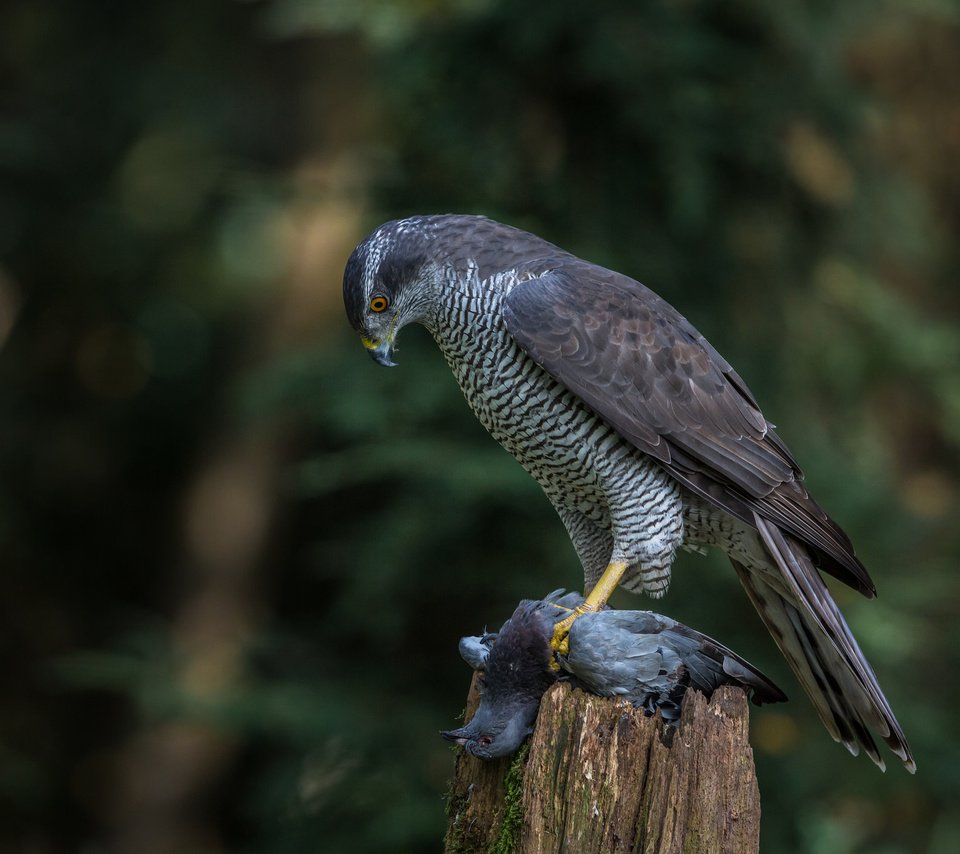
x=595, y=600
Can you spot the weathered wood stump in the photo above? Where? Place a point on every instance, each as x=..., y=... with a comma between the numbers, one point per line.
x=599, y=776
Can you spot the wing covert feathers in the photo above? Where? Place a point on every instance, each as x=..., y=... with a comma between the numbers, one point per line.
x=643, y=368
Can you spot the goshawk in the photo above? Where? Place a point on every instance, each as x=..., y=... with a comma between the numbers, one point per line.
x=642, y=435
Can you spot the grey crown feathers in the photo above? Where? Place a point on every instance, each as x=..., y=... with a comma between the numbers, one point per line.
x=644, y=657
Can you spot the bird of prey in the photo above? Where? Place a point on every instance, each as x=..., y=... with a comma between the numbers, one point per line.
x=642, y=435
x=646, y=658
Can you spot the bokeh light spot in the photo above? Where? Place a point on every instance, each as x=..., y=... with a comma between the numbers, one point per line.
x=177, y=337
x=113, y=361
x=775, y=732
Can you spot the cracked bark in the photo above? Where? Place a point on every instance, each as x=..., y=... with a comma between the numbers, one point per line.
x=599, y=776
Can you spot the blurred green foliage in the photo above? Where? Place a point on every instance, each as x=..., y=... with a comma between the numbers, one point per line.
x=239, y=555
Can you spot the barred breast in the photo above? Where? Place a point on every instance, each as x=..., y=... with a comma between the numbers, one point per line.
x=616, y=503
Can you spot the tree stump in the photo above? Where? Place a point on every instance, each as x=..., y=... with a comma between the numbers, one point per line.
x=597, y=775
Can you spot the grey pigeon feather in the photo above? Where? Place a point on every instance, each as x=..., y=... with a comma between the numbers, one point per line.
x=644, y=657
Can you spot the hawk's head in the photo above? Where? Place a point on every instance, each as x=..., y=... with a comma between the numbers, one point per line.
x=388, y=283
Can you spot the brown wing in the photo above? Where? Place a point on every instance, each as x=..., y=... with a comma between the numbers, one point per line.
x=641, y=366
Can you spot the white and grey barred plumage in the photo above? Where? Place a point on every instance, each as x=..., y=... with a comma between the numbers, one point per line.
x=642, y=436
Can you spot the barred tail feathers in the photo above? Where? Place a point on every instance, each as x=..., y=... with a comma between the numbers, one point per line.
x=821, y=650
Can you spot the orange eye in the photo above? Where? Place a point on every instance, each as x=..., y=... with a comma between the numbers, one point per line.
x=378, y=304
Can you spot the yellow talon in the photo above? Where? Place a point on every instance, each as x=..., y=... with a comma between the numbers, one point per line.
x=596, y=599
x=560, y=642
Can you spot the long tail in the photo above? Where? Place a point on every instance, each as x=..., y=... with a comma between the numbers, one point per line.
x=797, y=609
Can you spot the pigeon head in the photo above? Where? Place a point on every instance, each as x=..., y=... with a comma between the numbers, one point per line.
x=496, y=729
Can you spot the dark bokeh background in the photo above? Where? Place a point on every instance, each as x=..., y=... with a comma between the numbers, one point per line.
x=237, y=555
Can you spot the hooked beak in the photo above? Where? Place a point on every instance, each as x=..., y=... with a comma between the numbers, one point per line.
x=380, y=351
x=455, y=735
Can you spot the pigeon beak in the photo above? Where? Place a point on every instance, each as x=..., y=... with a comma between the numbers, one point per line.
x=455, y=735
x=380, y=351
